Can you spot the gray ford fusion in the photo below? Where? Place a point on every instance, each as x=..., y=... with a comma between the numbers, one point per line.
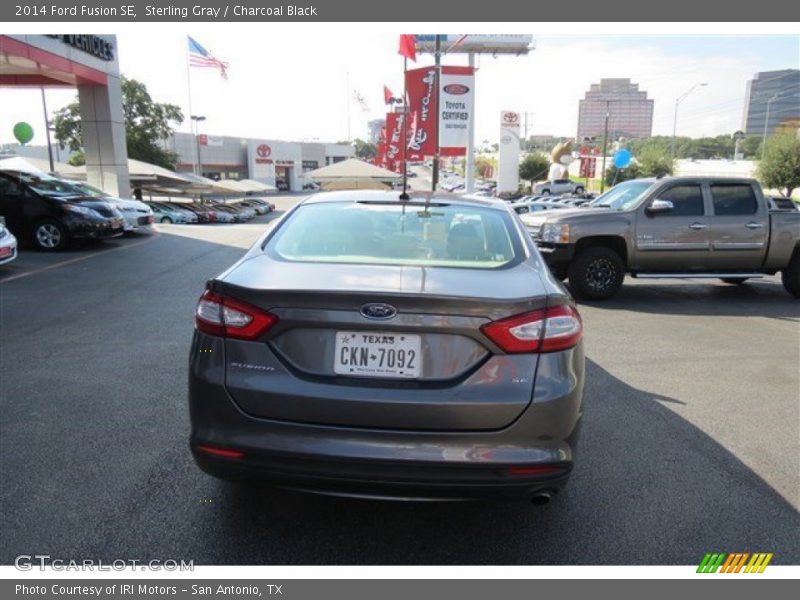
x=372, y=346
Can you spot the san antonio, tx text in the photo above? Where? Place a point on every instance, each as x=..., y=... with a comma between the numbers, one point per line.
x=60, y=589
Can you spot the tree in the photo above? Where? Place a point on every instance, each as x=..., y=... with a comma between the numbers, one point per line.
x=147, y=123
x=615, y=176
x=77, y=159
x=533, y=167
x=780, y=167
x=364, y=149
x=655, y=163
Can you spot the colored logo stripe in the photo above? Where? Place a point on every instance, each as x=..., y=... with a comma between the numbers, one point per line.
x=733, y=563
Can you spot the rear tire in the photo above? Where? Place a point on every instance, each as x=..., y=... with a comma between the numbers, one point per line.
x=166, y=220
x=579, y=190
x=734, y=280
x=50, y=235
x=790, y=276
x=596, y=273
x=545, y=192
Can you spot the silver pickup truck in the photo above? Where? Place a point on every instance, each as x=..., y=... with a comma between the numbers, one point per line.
x=673, y=227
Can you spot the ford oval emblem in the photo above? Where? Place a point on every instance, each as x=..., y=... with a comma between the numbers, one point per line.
x=378, y=310
x=456, y=89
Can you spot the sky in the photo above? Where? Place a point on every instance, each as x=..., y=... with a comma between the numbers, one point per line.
x=300, y=88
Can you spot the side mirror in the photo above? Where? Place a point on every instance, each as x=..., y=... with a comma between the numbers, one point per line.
x=658, y=207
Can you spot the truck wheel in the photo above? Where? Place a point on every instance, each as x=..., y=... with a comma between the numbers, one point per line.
x=734, y=280
x=596, y=273
x=790, y=276
x=50, y=235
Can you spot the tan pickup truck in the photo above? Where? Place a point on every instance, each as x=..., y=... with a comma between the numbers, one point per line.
x=673, y=227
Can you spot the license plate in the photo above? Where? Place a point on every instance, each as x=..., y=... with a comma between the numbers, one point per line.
x=376, y=354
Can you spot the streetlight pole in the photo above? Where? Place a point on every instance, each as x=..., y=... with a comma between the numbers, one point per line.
x=197, y=119
x=605, y=149
x=766, y=122
x=678, y=100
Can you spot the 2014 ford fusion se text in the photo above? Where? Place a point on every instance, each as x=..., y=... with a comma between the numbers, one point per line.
x=376, y=347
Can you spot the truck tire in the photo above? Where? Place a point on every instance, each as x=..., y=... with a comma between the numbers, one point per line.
x=734, y=280
x=596, y=273
x=790, y=276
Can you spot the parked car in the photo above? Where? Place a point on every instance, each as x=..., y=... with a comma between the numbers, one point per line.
x=558, y=186
x=674, y=227
x=204, y=212
x=224, y=210
x=8, y=245
x=164, y=213
x=51, y=213
x=138, y=216
x=259, y=206
x=373, y=347
x=531, y=206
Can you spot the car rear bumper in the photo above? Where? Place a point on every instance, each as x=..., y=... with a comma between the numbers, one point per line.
x=532, y=455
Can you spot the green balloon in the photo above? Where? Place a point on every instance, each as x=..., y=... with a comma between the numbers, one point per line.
x=23, y=132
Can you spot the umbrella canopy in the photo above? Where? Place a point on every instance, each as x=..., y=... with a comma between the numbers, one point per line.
x=351, y=169
x=40, y=166
x=257, y=186
x=354, y=184
x=140, y=171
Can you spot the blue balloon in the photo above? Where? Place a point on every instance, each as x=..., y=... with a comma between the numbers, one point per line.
x=622, y=158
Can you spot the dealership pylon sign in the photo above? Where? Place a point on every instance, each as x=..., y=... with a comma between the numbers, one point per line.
x=456, y=89
x=508, y=161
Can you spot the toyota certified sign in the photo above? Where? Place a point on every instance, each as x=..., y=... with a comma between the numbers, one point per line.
x=263, y=151
x=456, y=89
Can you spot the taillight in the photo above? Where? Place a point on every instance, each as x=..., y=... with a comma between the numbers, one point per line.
x=546, y=330
x=228, y=317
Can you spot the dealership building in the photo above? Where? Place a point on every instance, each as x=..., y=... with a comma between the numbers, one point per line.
x=265, y=160
x=90, y=64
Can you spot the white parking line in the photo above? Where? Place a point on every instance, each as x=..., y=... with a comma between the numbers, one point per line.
x=70, y=261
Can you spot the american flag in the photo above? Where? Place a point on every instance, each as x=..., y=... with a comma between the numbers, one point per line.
x=200, y=57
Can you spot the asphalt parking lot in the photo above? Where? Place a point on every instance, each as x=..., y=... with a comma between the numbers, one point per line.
x=690, y=442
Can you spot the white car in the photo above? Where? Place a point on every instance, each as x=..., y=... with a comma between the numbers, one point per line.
x=558, y=186
x=136, y=213
x=8, y=245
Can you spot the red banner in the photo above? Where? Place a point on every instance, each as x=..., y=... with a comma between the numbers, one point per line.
x=394, y=142
x=423, y=116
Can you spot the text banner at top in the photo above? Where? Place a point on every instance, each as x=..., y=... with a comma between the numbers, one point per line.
x=405, y=11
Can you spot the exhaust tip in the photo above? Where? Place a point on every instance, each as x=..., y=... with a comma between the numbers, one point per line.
x=541, y=498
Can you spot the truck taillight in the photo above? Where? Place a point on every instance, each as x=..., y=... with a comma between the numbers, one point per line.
x=547, y=330
x=227, y=317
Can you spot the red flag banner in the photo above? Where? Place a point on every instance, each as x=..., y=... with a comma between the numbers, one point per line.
x=394, y=142
x=420, y=86
x=408, y=47
x=388, y=96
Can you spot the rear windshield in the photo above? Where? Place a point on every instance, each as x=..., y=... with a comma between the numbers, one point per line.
x=397, y=234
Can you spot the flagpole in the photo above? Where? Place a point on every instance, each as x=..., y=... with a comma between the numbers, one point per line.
x=404, y=195
x=189, y=116
x=437, y=78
